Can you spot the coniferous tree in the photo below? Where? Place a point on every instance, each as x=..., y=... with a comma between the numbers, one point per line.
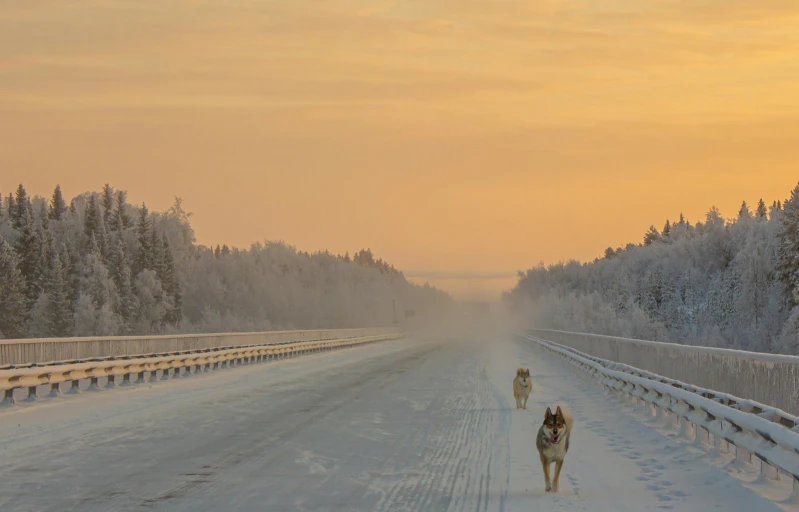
x=96, y=283
x=171, y=285
x=744, y=212
x=667, y=229
x=108, y=203
x=13, y=302
x=788, y=252
x=91, y=222
x=761, y=213
x=124, y=220
x=651, y=236
x=57, y=205
x=71, y=262
x=59, y=307
x=10, y=207
x=144, y=258
x=21, y=206
x=103, y=241
x=39, y=326
x=121, y=275
x=28, y=250
x=41, y=271
x=157, y=246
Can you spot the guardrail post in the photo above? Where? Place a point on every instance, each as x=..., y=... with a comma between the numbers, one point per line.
x=140, y=378
x=661, y=413
x=721, y=445
x=701, y=437
x=673, y=419
x=74, y=389
x=33, y=395
x=165, y=374
x=55, y=390
x=111, y=384
x=686, y=427
x=8, y=398
x=768, y=473
x=125, y=380
x=742, y=456
x=93, y=384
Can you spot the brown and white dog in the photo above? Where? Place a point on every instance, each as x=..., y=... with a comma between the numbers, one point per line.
x=522, y=386
x=552, y=442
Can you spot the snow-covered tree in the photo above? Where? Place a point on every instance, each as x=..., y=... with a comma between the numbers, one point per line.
x=13, y=302
x=667, y=229
x=58, y=207
x=651, y=236
x=28, y=249
x=788, y=253
x=59, y=312
x=108, y=203
x=762, y=212
x=718, y=283
x=19, y=208
x=744, y=212
x=145, y=257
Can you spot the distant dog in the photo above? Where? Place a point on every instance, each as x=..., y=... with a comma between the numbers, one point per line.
x=522, y=386
x=553, y=443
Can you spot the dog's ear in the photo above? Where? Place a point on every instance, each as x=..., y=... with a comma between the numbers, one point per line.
x=548, y=414
x=559, y=412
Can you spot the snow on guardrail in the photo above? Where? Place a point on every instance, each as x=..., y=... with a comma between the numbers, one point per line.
x=770, y=434
x=180, y=364
x=768, y=378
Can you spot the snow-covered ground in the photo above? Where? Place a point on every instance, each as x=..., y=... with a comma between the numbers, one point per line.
x=409, y=425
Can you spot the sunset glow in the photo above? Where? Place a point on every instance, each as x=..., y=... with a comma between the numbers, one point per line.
x=471, y=136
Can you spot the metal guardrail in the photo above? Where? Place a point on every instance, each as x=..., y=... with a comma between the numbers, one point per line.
x=44, y=350
x=770, y=434
x=181, y=364
x=767, y=378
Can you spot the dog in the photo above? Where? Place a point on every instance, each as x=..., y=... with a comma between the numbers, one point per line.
x=522, y=386
x=552, y=442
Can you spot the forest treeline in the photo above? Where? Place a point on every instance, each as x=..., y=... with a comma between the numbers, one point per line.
x=730, y=283
x=98, y=266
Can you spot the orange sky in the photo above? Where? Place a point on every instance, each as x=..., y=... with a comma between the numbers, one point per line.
x=461, y=135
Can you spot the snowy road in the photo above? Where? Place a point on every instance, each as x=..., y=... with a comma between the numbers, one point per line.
x=409, y=425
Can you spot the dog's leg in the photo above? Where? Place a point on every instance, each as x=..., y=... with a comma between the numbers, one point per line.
x=556, y=481
x=525, y=402
x=545, y=465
